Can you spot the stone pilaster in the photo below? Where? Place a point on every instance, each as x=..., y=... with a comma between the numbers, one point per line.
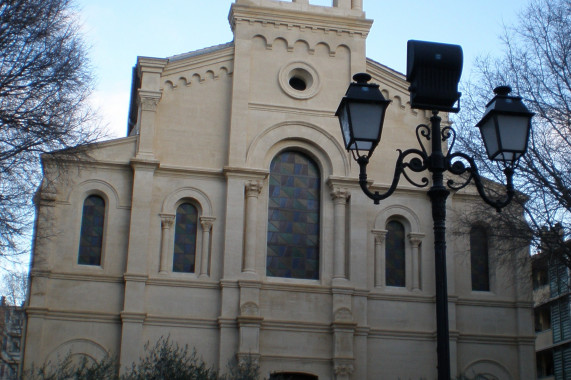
x=167, y=222
x=206, y=222
x=415, y=241
x=380, y=236
x=253, y=189
x=340, y=198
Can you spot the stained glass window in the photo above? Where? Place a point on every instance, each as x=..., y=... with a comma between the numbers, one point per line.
x=186, y=224
x=91, y=235
x=479, y=259
x=395, y=254
x=293, y=217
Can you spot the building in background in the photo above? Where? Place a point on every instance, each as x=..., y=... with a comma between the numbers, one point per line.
x=552, y=306
x=11, y=326
x=231, y=220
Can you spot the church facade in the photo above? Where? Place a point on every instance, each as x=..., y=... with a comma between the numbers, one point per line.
x=231, y=219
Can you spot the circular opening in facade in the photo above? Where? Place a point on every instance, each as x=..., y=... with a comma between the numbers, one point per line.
x=297, y=83
x=299, y=80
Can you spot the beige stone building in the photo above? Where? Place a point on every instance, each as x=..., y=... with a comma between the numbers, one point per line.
x=231, y=220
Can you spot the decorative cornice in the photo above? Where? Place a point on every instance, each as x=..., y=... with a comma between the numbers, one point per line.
x=135, y=277
x=130, y=317
x=305, y=21
x=249, y=173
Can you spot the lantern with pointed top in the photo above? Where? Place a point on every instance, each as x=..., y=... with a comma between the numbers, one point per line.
x=505, y=126
x=361, y=114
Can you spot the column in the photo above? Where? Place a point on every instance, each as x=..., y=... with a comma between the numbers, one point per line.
x=206, y=222
x=380, y=236
x=415, y=240
x=166, y=227
x=340, y=197
x=357, y=5
x=253, y=189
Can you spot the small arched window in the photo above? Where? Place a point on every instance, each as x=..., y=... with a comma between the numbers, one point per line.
x=91, y=235
x=186, y=224
x=395, y=255
x=293, y=217
x=479, y=260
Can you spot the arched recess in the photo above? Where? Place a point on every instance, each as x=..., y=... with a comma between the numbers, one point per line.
x=80, y=348
x=413, y=238
x=490, y=369
x=206, y=218
x=313, y=140
x=172, y=201
x=400, y=212
x=95, y=187
x=76, y=197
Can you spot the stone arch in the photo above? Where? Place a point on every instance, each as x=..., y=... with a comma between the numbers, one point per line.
x=302, y=46
x=327, y=151
x=280, y=42
x=260, y=41
x=490, y=368
x=400, y=213
x=172, y=201
x=323, y=48
x=343, y=49
x=95, y=187
x=78, y=347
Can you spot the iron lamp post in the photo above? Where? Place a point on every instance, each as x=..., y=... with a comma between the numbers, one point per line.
x=433, y=70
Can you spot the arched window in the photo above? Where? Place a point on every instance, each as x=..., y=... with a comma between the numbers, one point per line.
x=479, y=259
x=395, y=255
x=91, y=235
x=186, y=223
x=293, y=217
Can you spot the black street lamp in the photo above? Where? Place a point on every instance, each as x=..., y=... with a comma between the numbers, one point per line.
x=434, y=69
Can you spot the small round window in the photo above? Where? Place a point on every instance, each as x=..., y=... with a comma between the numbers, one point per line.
x=299, y=80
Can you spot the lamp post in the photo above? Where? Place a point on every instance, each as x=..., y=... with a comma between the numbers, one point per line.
x=433, y=69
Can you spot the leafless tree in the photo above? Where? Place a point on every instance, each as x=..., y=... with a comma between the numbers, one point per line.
x=537, y=64
x=14, y=287
x=45, y=82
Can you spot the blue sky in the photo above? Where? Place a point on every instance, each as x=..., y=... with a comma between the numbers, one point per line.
x=120, y=30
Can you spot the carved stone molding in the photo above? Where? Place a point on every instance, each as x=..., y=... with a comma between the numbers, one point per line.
x=253, y=188
x=207, y=222
x=343, y=367
x=149, y=100
x=167, y=221
x=380, y=235
x=340, y=195
x=415, y=239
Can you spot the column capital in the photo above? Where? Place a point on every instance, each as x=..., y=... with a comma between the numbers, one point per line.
x=340, y=195
x=415, y=238
x=167, y=220
x=206, y=222
x=254, y=188
x=149, y=100
x=380, y=235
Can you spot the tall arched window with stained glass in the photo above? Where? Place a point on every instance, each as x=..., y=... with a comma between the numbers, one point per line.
x=293, y=217
x=91, y=235
x=186, y=224
x=479, y=259
x=395, y=254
